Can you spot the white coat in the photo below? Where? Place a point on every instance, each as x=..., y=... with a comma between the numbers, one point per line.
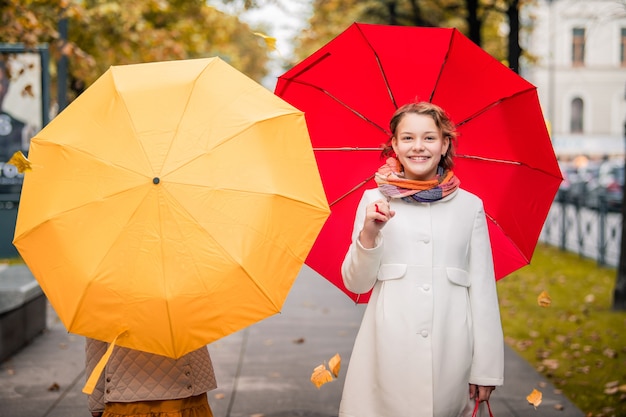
x=432, y=325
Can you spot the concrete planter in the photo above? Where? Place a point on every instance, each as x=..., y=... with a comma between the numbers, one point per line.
x=22, y=309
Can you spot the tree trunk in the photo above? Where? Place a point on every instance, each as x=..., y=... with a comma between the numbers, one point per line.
x=393, y=14
x=515, y=50
x=473, y=22
x=619, y=294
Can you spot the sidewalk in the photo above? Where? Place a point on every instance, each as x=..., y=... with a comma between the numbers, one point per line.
x=262, y=371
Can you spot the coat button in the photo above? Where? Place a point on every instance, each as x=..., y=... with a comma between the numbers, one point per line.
x=189, y=387
x=108, y=391
x=424, y=333
x=109, y=379
x=187, y=373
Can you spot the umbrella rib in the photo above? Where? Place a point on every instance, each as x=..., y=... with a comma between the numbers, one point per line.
x=494, y=104
x=482, y=158
x=356, y=187
x=492, y=220
x=504, y=161
x=443, y=65
x=348, y=148
x=323, y=91
x=380, y=67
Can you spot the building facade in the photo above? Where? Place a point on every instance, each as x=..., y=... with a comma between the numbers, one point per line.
x=578, y=50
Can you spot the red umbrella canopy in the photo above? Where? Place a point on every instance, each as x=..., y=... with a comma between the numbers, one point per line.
x=349, y=90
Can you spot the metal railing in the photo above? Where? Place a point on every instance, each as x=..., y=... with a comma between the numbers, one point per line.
x=592, y=232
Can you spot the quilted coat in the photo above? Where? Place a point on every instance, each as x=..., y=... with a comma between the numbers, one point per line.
x=432, y=325
x=131, y=375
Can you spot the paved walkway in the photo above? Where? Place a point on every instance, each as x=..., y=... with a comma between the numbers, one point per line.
x=262, y=371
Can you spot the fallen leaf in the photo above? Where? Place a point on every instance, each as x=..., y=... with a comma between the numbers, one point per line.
x=19, y=161
x=534, y=398
x=559, y=407
x=54, y=387
x=321, y=376
x=335, y=364
x=299, y=341
x=544, y=299
x=219, y=396
x=551, y=364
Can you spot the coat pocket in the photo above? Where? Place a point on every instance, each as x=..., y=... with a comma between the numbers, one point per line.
x=391, y=271
x=458, y=276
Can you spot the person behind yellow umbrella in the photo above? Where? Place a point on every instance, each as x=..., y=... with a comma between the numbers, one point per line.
x=136, y=383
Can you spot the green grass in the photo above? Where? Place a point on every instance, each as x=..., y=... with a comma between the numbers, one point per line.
x=578, y=342
x=11, y=261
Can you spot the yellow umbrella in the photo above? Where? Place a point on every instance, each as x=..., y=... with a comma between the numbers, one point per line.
x=171, y=204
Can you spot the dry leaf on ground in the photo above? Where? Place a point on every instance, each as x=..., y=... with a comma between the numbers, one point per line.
x=534, y=398
x=544, y=299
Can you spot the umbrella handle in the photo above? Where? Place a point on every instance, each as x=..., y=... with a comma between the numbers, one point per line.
x=378, y=211
x=475, y=413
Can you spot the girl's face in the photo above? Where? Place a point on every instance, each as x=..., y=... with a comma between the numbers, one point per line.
x=419, y=145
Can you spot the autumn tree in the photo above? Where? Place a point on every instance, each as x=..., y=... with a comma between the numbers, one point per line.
x=104, y=33
x=480, y=20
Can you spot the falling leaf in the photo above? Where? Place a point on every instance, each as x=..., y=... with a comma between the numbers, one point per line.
x=335, y=364
x=269, y=41
x=321, y=376
x=544, y=299
x=534, y=398
x=19, y=161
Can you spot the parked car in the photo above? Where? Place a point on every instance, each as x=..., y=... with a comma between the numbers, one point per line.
x=608, y=188
x=579, y=180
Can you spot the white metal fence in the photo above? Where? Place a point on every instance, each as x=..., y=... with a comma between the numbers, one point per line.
x=594, y=234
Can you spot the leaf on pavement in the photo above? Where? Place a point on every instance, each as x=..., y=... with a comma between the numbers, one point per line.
x=534, y=398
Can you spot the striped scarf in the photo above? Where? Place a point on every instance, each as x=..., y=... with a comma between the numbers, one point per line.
x=392, y=184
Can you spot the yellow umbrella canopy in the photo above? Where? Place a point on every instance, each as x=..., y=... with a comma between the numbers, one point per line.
x=170, y=204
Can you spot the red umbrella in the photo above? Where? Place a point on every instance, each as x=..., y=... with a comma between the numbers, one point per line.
x=349, y=89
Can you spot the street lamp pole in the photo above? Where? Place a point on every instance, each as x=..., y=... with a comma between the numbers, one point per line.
x=619, y=294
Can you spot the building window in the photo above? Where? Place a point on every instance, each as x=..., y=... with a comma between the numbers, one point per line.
x=622, y=48
x=576, y=121
x=578, y=47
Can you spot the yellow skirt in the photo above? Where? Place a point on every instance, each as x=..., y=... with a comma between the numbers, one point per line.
x=197, y=406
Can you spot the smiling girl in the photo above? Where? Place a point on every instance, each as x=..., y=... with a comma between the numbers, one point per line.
x=430, y=343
